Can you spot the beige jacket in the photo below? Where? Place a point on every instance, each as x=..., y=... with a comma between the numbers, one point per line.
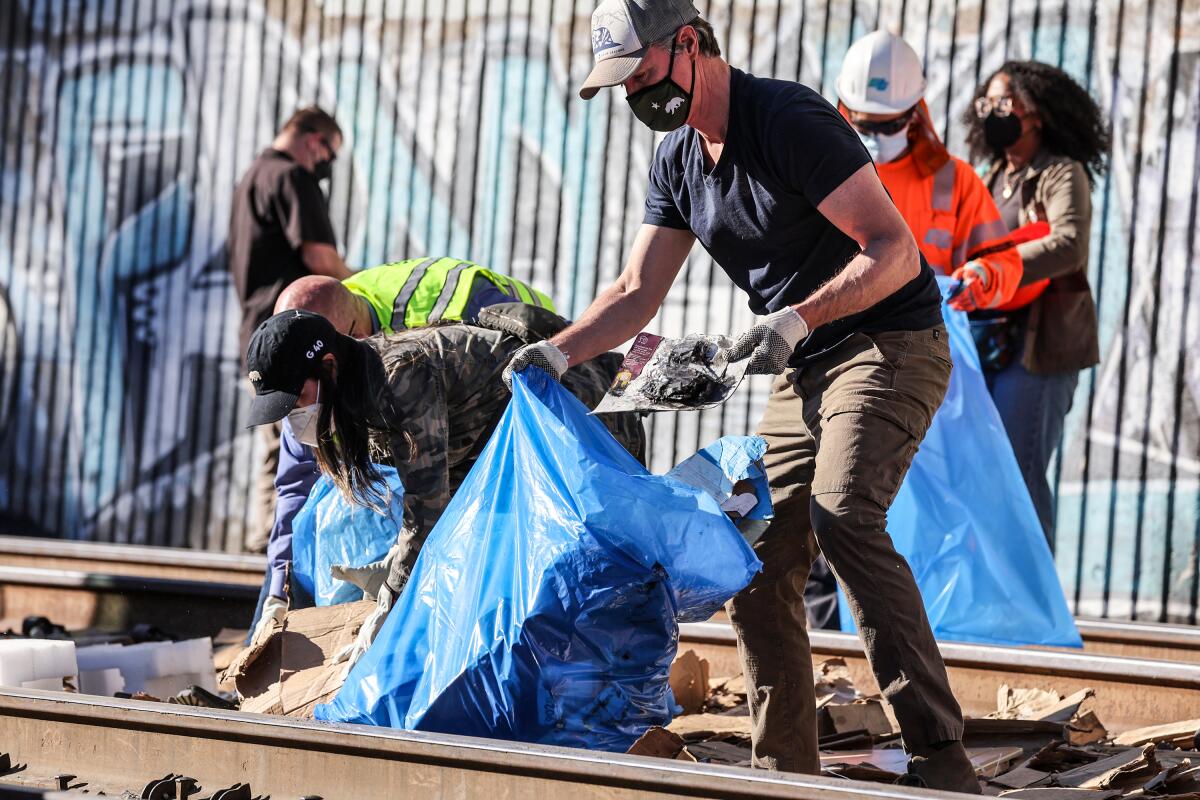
x=1061, y=333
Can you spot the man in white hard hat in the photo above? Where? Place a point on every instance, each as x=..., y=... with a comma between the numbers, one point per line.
x=780, y=191
x=950, y=212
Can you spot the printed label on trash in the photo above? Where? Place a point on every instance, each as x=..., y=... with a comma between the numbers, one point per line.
x=665, y=374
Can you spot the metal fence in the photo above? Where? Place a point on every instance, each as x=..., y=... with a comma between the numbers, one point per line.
x=126, y=124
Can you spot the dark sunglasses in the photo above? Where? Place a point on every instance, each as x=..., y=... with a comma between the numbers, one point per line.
x=329, y=147
x=885, y=128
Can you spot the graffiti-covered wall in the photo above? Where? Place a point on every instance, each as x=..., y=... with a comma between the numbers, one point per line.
x=126, y=124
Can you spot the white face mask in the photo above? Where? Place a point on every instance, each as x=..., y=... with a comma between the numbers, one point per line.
x=304, y=421
x=885, y=147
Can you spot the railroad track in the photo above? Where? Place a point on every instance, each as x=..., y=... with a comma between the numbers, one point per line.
x=84, y=585
x=1142, y=673
x=116, y=745
x=87, y=566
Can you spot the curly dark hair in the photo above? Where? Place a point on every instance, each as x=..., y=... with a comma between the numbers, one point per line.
x=1072, y=124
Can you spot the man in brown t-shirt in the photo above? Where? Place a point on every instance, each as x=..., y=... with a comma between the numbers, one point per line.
x=279, y=230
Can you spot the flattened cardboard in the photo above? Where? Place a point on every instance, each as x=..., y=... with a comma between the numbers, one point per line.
x=689, y=681
x=289, y=671
x=1179, y=733
x=866, y=716
x=705, y=726
x=661, y=743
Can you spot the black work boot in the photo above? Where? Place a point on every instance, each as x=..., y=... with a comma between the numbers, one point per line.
x=947, y=768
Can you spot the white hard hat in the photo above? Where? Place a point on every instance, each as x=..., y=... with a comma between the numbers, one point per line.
x=881, y=74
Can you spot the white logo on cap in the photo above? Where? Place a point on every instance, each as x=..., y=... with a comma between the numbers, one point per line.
x=254, y=376
x=316, y=348
x=612, y=31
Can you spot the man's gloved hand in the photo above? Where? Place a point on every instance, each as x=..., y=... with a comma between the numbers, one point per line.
x=539, y=354
x=770, y=343
x=976, y=286
x=273, y=612
x=369, y=577
x=352, y=652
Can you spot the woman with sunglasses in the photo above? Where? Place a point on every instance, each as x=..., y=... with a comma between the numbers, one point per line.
x=1044, y=141
x=957, y=227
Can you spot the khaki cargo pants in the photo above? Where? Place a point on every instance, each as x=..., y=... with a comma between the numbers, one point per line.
x=842, y=433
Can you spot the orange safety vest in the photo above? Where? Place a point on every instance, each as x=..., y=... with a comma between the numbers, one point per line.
x=950, y=211
x=955, y=220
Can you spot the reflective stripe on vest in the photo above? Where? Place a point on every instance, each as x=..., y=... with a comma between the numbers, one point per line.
x=511, y=286
x=942, y=198
x=400, y=304
x=453, y=288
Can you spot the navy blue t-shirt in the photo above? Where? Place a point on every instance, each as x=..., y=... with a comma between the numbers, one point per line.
x=756, y=212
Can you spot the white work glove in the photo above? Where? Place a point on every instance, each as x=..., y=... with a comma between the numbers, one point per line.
x=770, y=343
x=369, y=577
x=538, y=354
x=352, y=652
x=273, y=612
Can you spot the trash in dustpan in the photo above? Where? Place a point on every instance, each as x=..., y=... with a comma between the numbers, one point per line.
x=330, y=530
x=660, y=374
x=964, y=521
x=544, y=605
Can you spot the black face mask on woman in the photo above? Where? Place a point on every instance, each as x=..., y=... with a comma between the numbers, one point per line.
x=1001, y=132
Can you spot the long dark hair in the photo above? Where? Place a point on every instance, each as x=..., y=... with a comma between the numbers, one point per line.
x=343, y=429
x=1072, y=124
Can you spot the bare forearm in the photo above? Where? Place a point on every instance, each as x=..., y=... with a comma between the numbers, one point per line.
x=624, y=308
x=616, y=316
x=883, y=267
x=323, y=259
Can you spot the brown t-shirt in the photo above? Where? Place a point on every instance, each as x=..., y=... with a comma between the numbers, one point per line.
x=277, y=206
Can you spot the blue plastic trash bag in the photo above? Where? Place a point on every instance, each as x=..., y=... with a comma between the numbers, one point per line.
x=718, y=468
x=964, y=520
x=543, y=606
x=327, y=530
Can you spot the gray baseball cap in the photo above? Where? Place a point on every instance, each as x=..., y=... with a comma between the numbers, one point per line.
x=622, y=32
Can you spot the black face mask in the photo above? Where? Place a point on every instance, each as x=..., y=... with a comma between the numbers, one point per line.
x=323, y=169
x=1001, y=132
x=663, y=106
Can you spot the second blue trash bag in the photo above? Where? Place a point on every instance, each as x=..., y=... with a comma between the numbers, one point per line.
x=329, y=530
x=543, y=606
x=964, y=521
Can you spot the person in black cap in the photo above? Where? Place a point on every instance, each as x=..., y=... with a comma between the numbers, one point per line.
x=424, y=400
x=780, y=191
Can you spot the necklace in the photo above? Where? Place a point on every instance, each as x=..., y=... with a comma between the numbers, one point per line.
x=1011, y=179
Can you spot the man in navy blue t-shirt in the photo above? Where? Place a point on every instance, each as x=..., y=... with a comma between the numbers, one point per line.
x=780, y=191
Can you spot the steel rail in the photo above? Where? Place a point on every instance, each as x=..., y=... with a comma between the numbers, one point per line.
x=115, y=745
x=1116, y=637
x=1129, y=692
x=81, y=600
x=76, y=579
x=127, y=559
x=1155, y=676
